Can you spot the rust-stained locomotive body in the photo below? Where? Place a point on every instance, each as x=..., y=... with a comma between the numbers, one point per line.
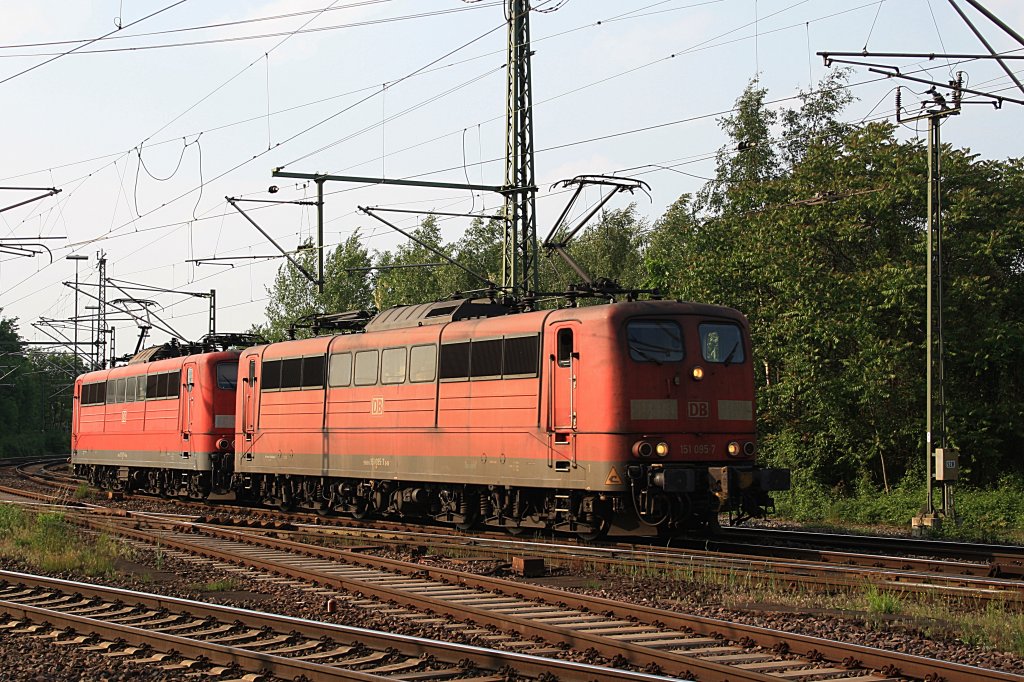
x=163, y=425
x=564, y=419
x=556, y=418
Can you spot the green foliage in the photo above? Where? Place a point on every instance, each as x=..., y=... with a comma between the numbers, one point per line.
x=818, y=236
x=398, y=284
x=294, y=297
x=47, y=542
x=882, y=602
x=35, y=397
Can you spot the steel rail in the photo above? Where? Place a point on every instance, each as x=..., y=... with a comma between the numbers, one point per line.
x=891, y=663
x=453, y=654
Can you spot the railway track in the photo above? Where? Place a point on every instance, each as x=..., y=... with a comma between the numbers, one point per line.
x=214, y=640
x=647, y=638
x=927, y=577
x=1002, y=560
x=748, y=563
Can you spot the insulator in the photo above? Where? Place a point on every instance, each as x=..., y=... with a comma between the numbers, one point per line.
x=899, y=100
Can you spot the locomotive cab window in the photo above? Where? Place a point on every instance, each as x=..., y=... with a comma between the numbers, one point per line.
x=656, y=341
x=227, y=375
x=564, y=343
x=721, y=343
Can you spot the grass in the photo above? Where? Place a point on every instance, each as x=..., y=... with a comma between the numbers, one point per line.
x=882, y=602
x=224, y=585
x=83, y=492
x=991, y=514
x=47, y=542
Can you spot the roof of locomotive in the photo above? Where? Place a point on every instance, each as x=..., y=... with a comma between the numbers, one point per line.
x=162, y=365
x=401, y=322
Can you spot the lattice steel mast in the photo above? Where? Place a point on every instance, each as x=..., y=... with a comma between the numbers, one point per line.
x=519, y=271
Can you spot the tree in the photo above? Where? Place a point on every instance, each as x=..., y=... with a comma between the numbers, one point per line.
x=293, y=296
x=818, y=236
x=406, y=275
x=35, y=401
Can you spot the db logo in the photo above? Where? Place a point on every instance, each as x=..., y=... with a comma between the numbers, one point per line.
x=124, y=416
x=377, y=406
x=698, y=410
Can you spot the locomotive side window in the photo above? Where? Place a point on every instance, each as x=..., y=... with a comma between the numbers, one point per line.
x=161, y=385
x=111, y=390
x=291, y=373
x=485, y=360
x=140, y=387
x=520, y=357
x=340, y=370
x=422, y=363
x=313, y=371
x=271, y=375
x=655, y=341
x=94, y=394
x=455, y=360
x=151, y=386
x=366, y=367
x=173, y=384
x=129, y=392
x=721, y=343
x=564, y=343
x=392, y=366
x=227, y=375
x=121, y=386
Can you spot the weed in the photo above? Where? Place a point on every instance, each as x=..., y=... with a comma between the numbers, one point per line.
x=882, y=602
x=48, y=542
x=83, y=492
x=224, y=585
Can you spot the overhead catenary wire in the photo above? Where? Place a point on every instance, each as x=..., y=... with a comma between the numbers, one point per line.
x=90, y=42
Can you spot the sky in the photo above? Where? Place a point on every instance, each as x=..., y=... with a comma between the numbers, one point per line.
x=181, y=103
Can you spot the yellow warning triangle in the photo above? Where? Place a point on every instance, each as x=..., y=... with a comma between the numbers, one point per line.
x=613, y=478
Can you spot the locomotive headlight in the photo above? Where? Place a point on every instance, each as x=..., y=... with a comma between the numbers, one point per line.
x=642, y=449
x=733, y=449
x=698, y=373
x=749, y=448
x=661, y=449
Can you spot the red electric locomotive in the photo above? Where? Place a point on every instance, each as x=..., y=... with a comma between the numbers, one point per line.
x=163, y=426
x=561, y=419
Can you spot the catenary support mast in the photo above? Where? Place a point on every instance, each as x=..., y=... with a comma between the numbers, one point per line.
x=519, y=260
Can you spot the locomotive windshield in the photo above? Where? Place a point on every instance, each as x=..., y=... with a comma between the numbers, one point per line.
x=655, y=341
x=227, y=375
x=721, y=343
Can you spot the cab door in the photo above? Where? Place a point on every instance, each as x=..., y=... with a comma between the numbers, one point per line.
x=563, y=366
x=248, y=388
x=189, y=372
